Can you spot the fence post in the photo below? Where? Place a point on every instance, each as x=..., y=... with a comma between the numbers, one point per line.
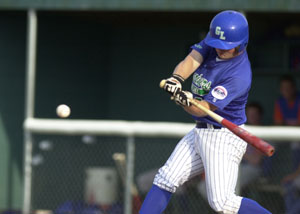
x=27, y=173
x=130, y=155
x=29, y=105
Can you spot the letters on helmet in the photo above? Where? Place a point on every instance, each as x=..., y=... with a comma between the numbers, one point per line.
x=220, y=33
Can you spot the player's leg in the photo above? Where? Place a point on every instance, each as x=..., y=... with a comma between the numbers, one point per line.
x=221, y=152
x=183, y=164
x=156, y=201
x=221, y=168
x=249, y=206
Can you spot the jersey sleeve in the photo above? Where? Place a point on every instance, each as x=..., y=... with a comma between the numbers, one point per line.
x=224, y=92
x=202, y=48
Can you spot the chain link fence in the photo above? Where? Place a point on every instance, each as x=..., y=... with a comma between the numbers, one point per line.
x=86, y=175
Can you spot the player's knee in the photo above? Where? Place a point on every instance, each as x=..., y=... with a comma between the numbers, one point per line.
x=221, y=210
x=165, y=181
x=224, y=205
x=217, y=205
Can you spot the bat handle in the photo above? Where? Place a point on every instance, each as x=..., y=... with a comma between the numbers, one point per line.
x=162, y=83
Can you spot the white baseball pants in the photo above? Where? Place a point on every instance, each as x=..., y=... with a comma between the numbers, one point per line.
x=216, y=151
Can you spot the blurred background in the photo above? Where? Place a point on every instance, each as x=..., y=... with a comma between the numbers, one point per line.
x=105, y=60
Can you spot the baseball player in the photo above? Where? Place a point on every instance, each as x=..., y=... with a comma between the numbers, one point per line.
x=221, y=82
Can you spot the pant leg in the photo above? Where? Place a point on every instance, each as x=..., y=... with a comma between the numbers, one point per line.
x=183, y=164
x=221, y=153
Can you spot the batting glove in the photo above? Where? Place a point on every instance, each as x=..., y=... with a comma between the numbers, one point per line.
x=173, y=84
x=182, y=98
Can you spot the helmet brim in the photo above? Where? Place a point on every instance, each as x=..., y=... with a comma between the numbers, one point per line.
x=217, y=43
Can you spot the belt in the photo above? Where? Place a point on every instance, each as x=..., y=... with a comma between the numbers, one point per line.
x=202, y=125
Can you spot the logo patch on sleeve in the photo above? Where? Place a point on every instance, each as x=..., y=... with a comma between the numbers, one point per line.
x=219, y=92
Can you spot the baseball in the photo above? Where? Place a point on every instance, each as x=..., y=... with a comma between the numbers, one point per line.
x=63, y=111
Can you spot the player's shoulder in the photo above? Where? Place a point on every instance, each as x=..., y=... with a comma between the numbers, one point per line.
x=242, y=64
x=241, y=73
x=242, y=59
x=200, y=45
x=202, y=48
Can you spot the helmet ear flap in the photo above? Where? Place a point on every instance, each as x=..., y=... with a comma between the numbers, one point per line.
x=243, y=46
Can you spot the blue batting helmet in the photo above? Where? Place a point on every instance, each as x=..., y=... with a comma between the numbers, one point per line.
x=228, y=29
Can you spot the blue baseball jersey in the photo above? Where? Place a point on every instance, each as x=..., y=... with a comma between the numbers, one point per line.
x=223, y=83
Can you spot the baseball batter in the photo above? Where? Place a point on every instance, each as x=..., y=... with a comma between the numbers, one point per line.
x=221, y=82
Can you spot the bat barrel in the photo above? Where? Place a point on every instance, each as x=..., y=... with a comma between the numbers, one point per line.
x=253, y=140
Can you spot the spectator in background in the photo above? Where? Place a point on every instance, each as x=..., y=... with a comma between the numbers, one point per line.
x=287, y=106
x=287, y=111
x=254, y=113
x=251, y=166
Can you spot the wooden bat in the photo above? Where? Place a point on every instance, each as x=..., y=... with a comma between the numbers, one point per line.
x=120, y=162
x=253, y=140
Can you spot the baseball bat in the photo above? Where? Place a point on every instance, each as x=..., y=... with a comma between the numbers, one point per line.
x=120, y=162
x=253, y=140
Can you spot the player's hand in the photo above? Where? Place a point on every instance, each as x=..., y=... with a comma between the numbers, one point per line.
x=173, y=84
x=182, y=98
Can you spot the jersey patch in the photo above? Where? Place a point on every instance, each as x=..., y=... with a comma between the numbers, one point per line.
x=200, y=86
x=219, y=92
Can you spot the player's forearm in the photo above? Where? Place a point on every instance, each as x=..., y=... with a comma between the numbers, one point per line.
x=198, y=112
x=186, y=67
x=194, y=111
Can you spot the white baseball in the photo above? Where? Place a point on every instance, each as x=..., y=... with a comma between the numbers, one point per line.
x=63, y=111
